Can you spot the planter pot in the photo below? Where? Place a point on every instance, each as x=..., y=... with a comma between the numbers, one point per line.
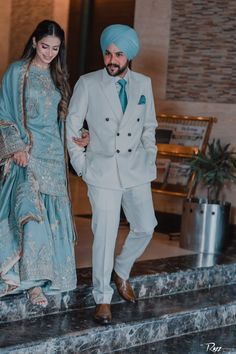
x=204, y=226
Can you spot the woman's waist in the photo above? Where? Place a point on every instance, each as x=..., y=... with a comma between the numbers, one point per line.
x=47, y=150
x=50, y=174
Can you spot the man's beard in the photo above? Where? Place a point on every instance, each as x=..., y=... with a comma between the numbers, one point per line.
x=119, y=71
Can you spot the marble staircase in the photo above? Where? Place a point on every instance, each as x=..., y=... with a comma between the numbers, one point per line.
x=185, y=303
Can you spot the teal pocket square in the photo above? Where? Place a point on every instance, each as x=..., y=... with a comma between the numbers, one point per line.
x=142, y=99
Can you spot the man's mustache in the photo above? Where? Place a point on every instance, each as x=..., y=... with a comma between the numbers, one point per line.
x=113, y=65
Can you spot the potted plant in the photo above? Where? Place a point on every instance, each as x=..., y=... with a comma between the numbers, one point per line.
x=205, y=221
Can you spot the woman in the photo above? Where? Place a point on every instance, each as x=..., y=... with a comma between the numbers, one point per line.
x=36, y=228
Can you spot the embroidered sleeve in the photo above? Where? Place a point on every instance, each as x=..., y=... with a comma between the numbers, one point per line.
x=10, y=141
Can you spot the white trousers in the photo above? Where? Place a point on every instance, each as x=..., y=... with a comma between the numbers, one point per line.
x=106, y=204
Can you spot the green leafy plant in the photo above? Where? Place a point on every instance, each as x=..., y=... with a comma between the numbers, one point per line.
x=214, y=168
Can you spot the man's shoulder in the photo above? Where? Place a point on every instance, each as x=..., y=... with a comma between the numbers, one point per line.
x=89, y=80
x=139, y=76
x=92, y=75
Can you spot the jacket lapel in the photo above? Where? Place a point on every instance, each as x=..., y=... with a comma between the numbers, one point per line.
x=133, y=98
x=109, y=89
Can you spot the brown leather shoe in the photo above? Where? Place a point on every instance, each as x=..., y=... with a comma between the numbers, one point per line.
x=124, y=288
x=103, y=314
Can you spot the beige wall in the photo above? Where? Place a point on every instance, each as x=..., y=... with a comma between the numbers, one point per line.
x=61, y=13
x=18, y=19
x=152, y=21
x=5, y=15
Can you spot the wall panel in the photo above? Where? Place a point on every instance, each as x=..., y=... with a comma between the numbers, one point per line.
x=25, y=15
x=202, y=51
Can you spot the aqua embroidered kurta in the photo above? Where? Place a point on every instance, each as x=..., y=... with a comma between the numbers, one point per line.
x=36, y=229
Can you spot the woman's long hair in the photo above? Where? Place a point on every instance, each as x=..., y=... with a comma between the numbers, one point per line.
x=58, y=66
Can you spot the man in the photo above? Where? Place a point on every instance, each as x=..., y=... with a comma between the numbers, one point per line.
x=119, y=162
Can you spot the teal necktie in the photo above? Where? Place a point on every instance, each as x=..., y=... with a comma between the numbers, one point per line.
x=122, y=94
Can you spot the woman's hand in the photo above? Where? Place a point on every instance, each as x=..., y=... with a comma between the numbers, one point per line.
x=21, y=158
x=84, y=140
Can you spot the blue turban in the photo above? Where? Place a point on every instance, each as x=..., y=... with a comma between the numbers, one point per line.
x=123, y=37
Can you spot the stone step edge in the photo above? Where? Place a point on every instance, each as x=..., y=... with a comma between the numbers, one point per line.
x=176, y=341
x=17, y=307
x=213, y=317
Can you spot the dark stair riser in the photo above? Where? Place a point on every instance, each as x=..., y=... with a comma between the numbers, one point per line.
x=220, y=340
x=104, y=340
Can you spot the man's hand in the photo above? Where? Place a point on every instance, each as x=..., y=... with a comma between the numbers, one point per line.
x=84, y=140
x=21, y=158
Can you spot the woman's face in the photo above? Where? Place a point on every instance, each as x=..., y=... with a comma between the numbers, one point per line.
x=47, y=49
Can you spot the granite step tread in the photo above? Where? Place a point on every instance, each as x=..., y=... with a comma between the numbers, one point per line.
x=148, y=320
x=219, y=340
x=151, y=278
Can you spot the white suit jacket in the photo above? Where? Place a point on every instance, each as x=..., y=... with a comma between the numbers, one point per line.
x=122, y=147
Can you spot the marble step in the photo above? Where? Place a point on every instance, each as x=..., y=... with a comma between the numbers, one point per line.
x=150, y=278
x=219, y=340
x=147, y=321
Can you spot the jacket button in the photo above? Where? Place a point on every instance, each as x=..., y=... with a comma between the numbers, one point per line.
x=129, y=150
x=129, y=134
x=107, y=119
x=118, y=134
x=138, y=119
x=117, y=151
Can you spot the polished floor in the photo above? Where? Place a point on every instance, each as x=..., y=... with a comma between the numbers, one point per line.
x=160, y=246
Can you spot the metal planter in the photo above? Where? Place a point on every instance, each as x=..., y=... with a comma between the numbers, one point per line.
x=204, y=226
